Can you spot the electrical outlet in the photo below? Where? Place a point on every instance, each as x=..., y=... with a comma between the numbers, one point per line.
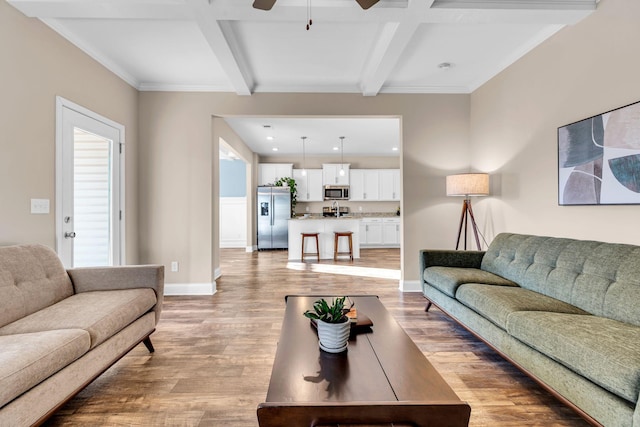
x=174, y=266
x=306, y=209
x=360, y=208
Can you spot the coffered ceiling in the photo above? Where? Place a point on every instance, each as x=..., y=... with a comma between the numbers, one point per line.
x=397, y=46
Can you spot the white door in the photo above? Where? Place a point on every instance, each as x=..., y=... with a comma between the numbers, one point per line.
x=89, y=172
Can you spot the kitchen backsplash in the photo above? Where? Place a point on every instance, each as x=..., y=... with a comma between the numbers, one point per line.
x=368, y=208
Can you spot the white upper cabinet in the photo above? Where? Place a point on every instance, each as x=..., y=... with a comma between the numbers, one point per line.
x=269, y=173
x=389, y=184
x=309, y=187
x=331, y=174
x=375, y=185
x=364, y=185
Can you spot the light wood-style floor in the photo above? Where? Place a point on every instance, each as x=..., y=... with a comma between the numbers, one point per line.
x=214, y=353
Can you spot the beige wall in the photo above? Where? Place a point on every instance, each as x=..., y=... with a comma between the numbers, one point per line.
x=221, y=129
x=583, y=70
x=177, y=167
x=37, y=65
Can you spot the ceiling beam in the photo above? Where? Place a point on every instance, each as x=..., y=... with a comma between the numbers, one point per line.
x=103, y=9
x=387, y=50
x=224, y=46
x=384, y=56
x=441, y=12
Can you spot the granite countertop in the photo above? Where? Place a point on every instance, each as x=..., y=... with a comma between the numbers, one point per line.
x=354, y=215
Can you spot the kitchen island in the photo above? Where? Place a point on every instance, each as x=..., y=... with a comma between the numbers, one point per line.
x=325, y=226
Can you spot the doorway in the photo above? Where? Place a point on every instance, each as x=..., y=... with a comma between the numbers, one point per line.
x=233, y=198
x=89, y=197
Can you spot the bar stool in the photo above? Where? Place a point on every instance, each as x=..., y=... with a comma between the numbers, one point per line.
x=337, y=235
x=317, y=252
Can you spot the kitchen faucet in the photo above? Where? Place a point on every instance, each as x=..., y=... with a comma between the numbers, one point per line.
x=337, y=206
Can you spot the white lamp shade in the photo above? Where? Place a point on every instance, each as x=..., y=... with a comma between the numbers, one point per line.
x=468, y=184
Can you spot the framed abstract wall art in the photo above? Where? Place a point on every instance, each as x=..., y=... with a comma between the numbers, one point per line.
x=599, y=159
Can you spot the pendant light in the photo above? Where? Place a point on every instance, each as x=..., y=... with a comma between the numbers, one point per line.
x=304, y=157
x=342, y=156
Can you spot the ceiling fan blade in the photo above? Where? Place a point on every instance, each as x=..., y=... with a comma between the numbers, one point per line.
x=263, y=4
x=366, y=4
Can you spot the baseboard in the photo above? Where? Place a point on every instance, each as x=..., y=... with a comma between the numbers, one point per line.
x=410, y=286
x=252, y=248
x=175, y=289
x=217, y=273
x=232, y=244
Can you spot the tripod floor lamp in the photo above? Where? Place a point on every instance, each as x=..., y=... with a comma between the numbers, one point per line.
x=467, y=185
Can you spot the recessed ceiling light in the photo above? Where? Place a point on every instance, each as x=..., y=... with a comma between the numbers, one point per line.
x=444, y=65
x=266, y=126
x=269, y=138
x=336, y=148
x=394, y=149
x=274, y=149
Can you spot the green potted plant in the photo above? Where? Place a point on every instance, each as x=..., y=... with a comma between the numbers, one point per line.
x=333, y=325
x=291, y=183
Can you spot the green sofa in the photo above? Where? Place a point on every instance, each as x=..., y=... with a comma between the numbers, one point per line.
x=566, y=312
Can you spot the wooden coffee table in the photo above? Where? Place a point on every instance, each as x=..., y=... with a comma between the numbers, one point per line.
x=382, y=378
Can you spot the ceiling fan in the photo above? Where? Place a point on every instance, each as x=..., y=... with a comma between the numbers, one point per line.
x=268, y=4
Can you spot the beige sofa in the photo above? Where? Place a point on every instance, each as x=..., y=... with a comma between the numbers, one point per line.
x=60, y=329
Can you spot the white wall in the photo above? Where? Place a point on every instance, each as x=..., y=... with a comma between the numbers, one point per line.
x=233, y=222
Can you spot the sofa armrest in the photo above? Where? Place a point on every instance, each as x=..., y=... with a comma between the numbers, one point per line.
x=122, y=277
x=449, y=258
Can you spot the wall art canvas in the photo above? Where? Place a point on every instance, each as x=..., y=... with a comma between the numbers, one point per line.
x=599, y=159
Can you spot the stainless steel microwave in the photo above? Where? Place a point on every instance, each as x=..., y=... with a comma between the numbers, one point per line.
x=336, y=192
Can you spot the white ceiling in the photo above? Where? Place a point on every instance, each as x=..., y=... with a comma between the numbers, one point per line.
x=226, y=45
x=368, y=136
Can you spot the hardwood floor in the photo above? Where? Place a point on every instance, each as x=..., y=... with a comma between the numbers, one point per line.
x=214, y=353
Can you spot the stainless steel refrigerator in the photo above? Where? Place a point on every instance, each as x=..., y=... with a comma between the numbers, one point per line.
x=274, y=211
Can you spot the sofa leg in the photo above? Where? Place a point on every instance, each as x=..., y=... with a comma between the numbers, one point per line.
x=148, y=344
x=429, y=304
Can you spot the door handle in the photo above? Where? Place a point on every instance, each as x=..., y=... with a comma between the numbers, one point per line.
x=70, y=235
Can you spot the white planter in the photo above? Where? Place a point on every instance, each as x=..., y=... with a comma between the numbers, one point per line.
x=334, y=337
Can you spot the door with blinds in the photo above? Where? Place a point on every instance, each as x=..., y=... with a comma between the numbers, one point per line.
x=88, y=195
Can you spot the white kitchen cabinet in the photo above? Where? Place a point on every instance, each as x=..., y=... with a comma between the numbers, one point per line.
x=269, y=173
x=380, y=232
x=331, y=174
x=364, y=185
x=309, y=187
x=389, y=184
x=372, y=231
x=391, y=231
x=363, y=232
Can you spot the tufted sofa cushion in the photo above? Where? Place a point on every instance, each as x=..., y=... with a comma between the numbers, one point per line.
x=600, y=278
x=31, y=278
